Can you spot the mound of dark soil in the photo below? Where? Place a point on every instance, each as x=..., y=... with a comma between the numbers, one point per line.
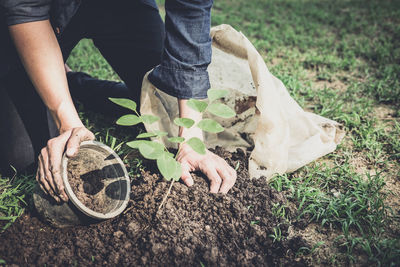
x=193, y=227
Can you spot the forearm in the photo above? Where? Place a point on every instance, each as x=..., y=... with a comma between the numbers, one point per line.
x=41, y=56
x=187, y=112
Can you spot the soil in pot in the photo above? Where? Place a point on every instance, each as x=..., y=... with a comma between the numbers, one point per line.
x=86, y=176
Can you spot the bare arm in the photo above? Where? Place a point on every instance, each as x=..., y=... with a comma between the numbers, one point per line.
x=41, y=56
x=186, y=112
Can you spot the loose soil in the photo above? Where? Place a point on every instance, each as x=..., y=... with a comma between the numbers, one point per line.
x=86, y=186
x=193, y=227
x=86, y=175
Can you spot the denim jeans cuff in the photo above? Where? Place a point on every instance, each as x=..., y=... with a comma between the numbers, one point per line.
x=183, y=84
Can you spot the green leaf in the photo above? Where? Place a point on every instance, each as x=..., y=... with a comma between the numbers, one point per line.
x=160, y=133
x=152, y=134
x=176, y=139
x=169, y=167
x=214, y=94
x=129, y=120
x=197, y=145
x=124, y=102
x=184, y=122
x=149, y=119
x=146, y=135
x=221, y=110
x=151, y=149
x=197, y=105
x=178, y=172
x=169, y=153
x=136, y=143
x=210, y=125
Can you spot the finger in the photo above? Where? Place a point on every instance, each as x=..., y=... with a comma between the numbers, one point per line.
x=228, y=179
x=47, y=174
x=73, y=143
x=186, y=176
x=78, y=135
x=214, y=178
x=55, y=150
x=43, y=182
x=233, y=172
x=44, y=190
x=39, y=175
x=229, y=168
x=47, y=178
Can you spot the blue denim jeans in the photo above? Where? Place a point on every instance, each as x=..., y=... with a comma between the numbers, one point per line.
x=187, y=53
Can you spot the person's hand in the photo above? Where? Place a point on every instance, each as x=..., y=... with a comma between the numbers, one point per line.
x=49, y=165
x=221, y=175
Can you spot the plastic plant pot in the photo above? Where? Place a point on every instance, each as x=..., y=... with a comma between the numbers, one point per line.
x=97, y=185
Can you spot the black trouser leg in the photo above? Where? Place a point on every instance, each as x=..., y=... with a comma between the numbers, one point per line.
x=94, y=93
x=130, y=37
x=23, y=123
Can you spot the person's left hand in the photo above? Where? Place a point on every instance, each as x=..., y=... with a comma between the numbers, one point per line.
x=221, y=175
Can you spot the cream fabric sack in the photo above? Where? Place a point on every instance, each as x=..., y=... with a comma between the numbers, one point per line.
x=283, y=135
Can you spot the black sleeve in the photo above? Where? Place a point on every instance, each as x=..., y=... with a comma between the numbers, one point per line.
x=22, y=11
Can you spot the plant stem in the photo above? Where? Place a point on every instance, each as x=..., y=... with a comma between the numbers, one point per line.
x=137, y=113
x=166, y=195
x=177, y=153
x=151, y=130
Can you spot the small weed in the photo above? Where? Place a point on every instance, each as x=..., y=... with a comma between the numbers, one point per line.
x=237, y=166
x=277, y=234
x=279, y=211
x=308, y=251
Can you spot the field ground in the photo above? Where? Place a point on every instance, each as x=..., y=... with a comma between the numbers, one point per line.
x=339, y=59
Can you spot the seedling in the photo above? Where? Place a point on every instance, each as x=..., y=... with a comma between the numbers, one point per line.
x=277, y=234
x=153, y=149
x=309, y=251
x=237, y=166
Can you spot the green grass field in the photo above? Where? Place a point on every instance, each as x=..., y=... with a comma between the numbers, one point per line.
x=339, y=59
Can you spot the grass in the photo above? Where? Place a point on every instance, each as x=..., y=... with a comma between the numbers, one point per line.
x=339, y=59
x=13, y=192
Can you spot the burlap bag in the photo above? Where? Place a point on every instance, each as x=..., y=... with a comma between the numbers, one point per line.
x=284, y=136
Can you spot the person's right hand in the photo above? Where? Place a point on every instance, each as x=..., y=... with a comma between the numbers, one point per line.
x=49, y=165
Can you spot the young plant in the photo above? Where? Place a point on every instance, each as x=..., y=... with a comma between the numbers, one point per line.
x=167, y=164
